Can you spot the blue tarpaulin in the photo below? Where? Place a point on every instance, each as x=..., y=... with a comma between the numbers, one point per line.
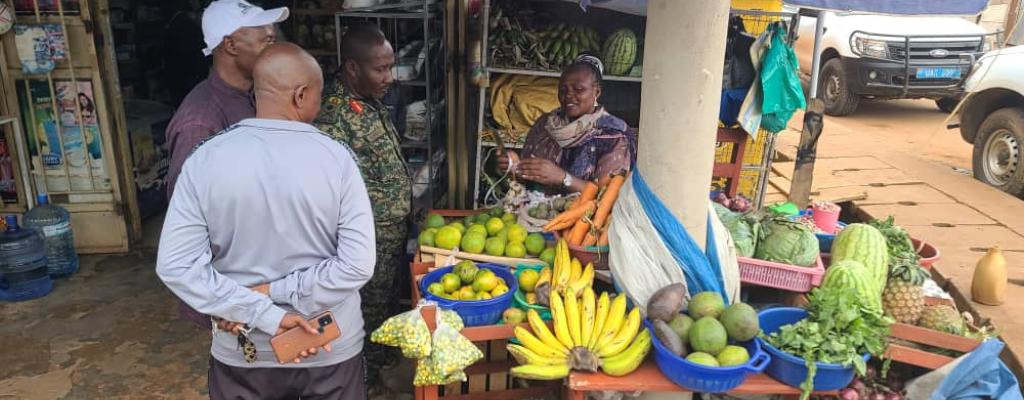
x=902, y=7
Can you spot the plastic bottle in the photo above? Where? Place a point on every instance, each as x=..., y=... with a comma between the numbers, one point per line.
x=23, y=273
x=55, y=223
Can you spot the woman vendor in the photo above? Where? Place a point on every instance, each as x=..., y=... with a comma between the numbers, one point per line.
x=577, y=143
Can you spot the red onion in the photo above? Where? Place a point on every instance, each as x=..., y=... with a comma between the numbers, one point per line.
x=893, y=396
x=870, y=373
x=895, y=383
x=876, y=396
x=849, y=394
x=857, y=385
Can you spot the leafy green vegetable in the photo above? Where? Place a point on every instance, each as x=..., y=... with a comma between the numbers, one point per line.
x=839, y=329
x=901, y=248
x=787, y=242
x=742, y=227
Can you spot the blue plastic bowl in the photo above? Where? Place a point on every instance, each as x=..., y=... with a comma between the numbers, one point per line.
x=824, y=239
x=475, y=312
x=789, y=369
x=700, y=378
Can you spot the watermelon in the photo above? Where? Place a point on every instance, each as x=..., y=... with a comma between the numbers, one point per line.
x=865, y=244
x=852, y=275
x=620, y=52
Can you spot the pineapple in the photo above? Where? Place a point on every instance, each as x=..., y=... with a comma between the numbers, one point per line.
x=903, y=297
x=943, y=318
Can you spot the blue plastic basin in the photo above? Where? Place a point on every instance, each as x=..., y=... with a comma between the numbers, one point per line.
x=474, y=312
x=789, y=369
x=701, y=378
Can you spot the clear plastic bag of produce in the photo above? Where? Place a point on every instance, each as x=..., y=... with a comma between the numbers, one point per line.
x=451, y=354
x=407, y=331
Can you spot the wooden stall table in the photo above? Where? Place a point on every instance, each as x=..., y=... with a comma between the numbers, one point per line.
x=648, y=378
x=494, y=367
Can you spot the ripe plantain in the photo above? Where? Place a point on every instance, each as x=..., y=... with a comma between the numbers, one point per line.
x=584, y=280
x=524, y=355
x=628, y=360
x=535, y=345
x=587, y=318
x=616, y=318
x=540, y=329
x=575, y=270
x=623, y=337
x=561, y=324
x=572, y=315
x=603, y=304
x=540, y=372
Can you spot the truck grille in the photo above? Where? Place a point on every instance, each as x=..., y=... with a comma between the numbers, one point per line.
x=935, y=52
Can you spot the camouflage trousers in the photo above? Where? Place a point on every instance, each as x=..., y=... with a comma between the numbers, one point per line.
x=380, y=295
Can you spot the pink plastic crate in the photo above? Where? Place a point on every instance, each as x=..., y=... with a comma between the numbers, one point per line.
x=781, y=276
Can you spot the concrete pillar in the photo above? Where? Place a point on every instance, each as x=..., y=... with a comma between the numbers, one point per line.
x=682, y=86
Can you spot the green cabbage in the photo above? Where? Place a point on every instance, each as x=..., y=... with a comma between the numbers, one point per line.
x=787, y=242
x=742, y=228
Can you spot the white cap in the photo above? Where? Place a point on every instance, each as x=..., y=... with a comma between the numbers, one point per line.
x=224, y=17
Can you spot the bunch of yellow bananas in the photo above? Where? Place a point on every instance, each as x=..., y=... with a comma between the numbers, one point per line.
x=568, y=276
x=588, y=334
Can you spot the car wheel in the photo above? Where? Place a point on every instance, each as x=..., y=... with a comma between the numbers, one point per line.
x=947, y=104
x=834, y=90
x=999, y=151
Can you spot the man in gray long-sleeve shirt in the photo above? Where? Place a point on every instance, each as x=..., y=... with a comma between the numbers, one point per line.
x=271, y=222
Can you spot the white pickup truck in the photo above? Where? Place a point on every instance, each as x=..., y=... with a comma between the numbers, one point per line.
x=991, y=117
x=891, y=57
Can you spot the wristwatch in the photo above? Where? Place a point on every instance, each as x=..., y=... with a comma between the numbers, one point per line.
x=567, y=181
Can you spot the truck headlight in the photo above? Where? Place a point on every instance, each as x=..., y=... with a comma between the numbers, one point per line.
x=870, y=47
x=987, y=43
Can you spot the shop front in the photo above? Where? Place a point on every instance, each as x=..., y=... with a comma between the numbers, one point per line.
x=66, y=114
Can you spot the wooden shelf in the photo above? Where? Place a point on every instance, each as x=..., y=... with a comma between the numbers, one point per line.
x=556, y=74
x=488, y=143
x=649, y=378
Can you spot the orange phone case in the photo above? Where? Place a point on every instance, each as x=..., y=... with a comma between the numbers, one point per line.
x=288, y=345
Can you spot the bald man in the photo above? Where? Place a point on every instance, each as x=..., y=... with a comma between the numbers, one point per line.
x=270, y=224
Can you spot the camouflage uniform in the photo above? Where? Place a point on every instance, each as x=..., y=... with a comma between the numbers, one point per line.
x=365, y=126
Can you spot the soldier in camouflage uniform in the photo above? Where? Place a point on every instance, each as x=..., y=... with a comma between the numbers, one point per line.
x=352, y=113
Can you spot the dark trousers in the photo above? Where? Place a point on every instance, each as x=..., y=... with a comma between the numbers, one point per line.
x=342, y=381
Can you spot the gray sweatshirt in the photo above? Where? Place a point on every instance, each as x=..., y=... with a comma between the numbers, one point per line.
x=270, y=201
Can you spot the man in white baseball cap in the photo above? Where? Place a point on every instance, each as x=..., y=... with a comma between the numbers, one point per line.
x=235, y=32
x=224, y=17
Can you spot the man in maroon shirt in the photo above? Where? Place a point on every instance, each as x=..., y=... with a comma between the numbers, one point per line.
x=235, y=33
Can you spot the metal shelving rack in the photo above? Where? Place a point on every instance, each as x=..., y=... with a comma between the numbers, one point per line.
x=759, y=19
x=430, y=79
x=482, y=145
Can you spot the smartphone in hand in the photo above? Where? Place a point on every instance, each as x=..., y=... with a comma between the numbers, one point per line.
x=288, y=345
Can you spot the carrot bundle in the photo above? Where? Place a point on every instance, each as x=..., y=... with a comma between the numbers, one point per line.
x=586, y=224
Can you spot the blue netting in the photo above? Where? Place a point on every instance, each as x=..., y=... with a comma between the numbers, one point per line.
x=702, y=270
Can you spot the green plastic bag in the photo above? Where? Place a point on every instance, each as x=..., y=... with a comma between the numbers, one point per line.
x=780, y=83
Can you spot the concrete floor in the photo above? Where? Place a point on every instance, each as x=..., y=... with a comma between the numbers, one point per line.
x=899, y=154
x=110, y=331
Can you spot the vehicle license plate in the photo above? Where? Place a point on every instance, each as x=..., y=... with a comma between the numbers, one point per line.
x=938, y=73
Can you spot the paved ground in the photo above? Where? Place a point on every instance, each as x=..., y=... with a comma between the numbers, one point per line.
x=901, y=156
x=112, y=330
